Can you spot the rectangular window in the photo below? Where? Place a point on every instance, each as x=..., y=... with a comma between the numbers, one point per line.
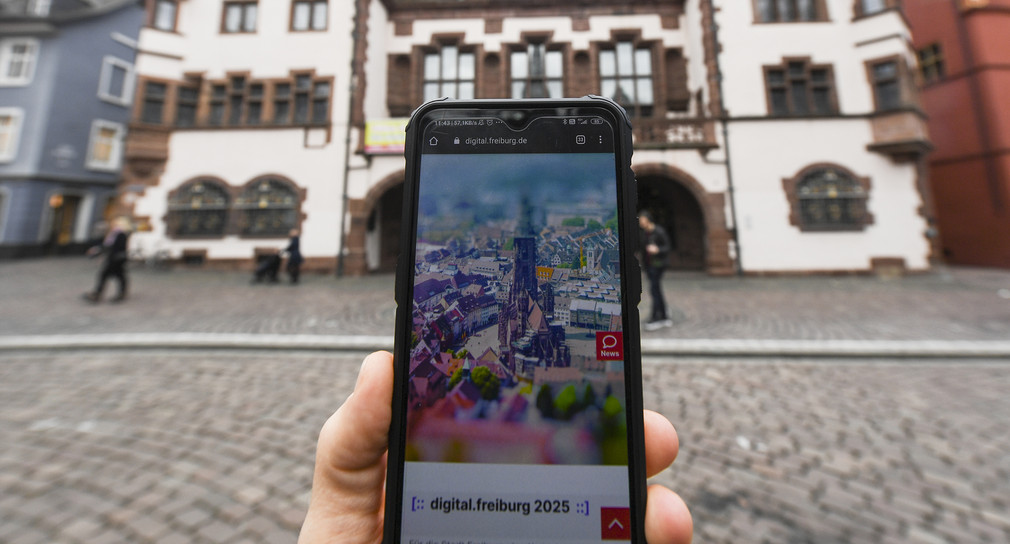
x=186, y=106
x=537, y=72
x=931, y=63
x=165, y=12
x=449, y=72
x=798, y=88
x=218, y=96
x=154, y=103
x=39, y=8
x=236, y=100
x=10, y=133
x=282, y=103
x=254, y=111
x=303, y=85
x=626, y=77
x=239, y=17
x=869, y=7
x=105, y=148
x=886, y=85
x=309, y=15
x=321, y=102
x=115, y=83
x=788, y=11
x=17, y=61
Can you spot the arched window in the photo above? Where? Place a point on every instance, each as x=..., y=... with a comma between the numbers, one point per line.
x=828, y=198
x=268, y=207
x=199, y=209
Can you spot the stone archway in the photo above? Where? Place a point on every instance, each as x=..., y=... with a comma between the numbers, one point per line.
x=374, y=233
x=695, y=218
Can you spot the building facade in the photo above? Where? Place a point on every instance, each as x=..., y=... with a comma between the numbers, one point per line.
x=66, y=89
x=821, y=170
x=770, y=136
x=964, y=62
x=240, y=128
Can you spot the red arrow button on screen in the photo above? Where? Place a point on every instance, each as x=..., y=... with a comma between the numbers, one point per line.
x=615, y=523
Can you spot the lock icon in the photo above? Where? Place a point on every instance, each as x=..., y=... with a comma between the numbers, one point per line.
x=456, y=141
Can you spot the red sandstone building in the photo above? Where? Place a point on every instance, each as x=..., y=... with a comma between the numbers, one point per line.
x=964, y=57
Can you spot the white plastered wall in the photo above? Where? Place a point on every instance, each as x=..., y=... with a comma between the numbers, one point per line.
x=238, y=156
x=766, y=152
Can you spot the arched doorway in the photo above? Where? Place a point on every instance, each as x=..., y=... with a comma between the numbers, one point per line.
x=678, y=211
x=382, y=231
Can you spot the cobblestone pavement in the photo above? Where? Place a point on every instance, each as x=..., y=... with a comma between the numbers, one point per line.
x=43, y=297
x=165, y=447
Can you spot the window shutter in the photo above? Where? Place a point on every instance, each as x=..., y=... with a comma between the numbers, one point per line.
x=398, y=91
x=678, y=96
x=583, y=76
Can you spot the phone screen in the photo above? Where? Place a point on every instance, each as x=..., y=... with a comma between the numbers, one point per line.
x=516, y=412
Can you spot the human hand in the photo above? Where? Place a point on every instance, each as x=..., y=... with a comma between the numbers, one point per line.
x=652, y=249
x=348, y=486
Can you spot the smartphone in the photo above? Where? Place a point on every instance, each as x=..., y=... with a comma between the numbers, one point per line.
x=517, y=404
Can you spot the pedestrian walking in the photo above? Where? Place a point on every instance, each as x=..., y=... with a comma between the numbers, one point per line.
x=294, y=256
x=655, y=251
x=114, y=248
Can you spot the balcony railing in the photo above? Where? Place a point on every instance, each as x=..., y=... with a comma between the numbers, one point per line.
x=674, y=133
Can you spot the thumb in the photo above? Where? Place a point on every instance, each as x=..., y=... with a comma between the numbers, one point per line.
x=347, y=487
x=356, y=436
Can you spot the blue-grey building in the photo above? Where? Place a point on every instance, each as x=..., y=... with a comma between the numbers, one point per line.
x=66, y=95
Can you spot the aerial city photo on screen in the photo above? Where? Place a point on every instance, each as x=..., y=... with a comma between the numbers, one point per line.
x=516, y=352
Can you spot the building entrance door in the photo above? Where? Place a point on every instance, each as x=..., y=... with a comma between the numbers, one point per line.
x=65, y=219
x=382, y=236
x=677, y=210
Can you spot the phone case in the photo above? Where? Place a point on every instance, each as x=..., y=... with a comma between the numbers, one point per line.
x=627, y=202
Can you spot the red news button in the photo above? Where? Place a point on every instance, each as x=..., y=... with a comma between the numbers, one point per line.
x=609, y=346
x=615, y=523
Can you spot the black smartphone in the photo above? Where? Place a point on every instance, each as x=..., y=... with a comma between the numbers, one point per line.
x=517, y=405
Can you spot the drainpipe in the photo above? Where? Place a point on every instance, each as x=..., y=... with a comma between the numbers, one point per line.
x=713, y=28
x=356, y=38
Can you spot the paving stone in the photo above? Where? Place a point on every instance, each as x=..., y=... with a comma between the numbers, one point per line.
x=836, y=451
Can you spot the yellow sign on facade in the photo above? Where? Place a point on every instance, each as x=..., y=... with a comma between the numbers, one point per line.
x=385, y=136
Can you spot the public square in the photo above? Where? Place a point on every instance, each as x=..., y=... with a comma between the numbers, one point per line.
x=149, y=435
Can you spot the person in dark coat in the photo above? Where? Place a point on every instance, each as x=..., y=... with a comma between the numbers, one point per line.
x=655, y=252
x=294, y=256
x=114, y=247
x=268, y=268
